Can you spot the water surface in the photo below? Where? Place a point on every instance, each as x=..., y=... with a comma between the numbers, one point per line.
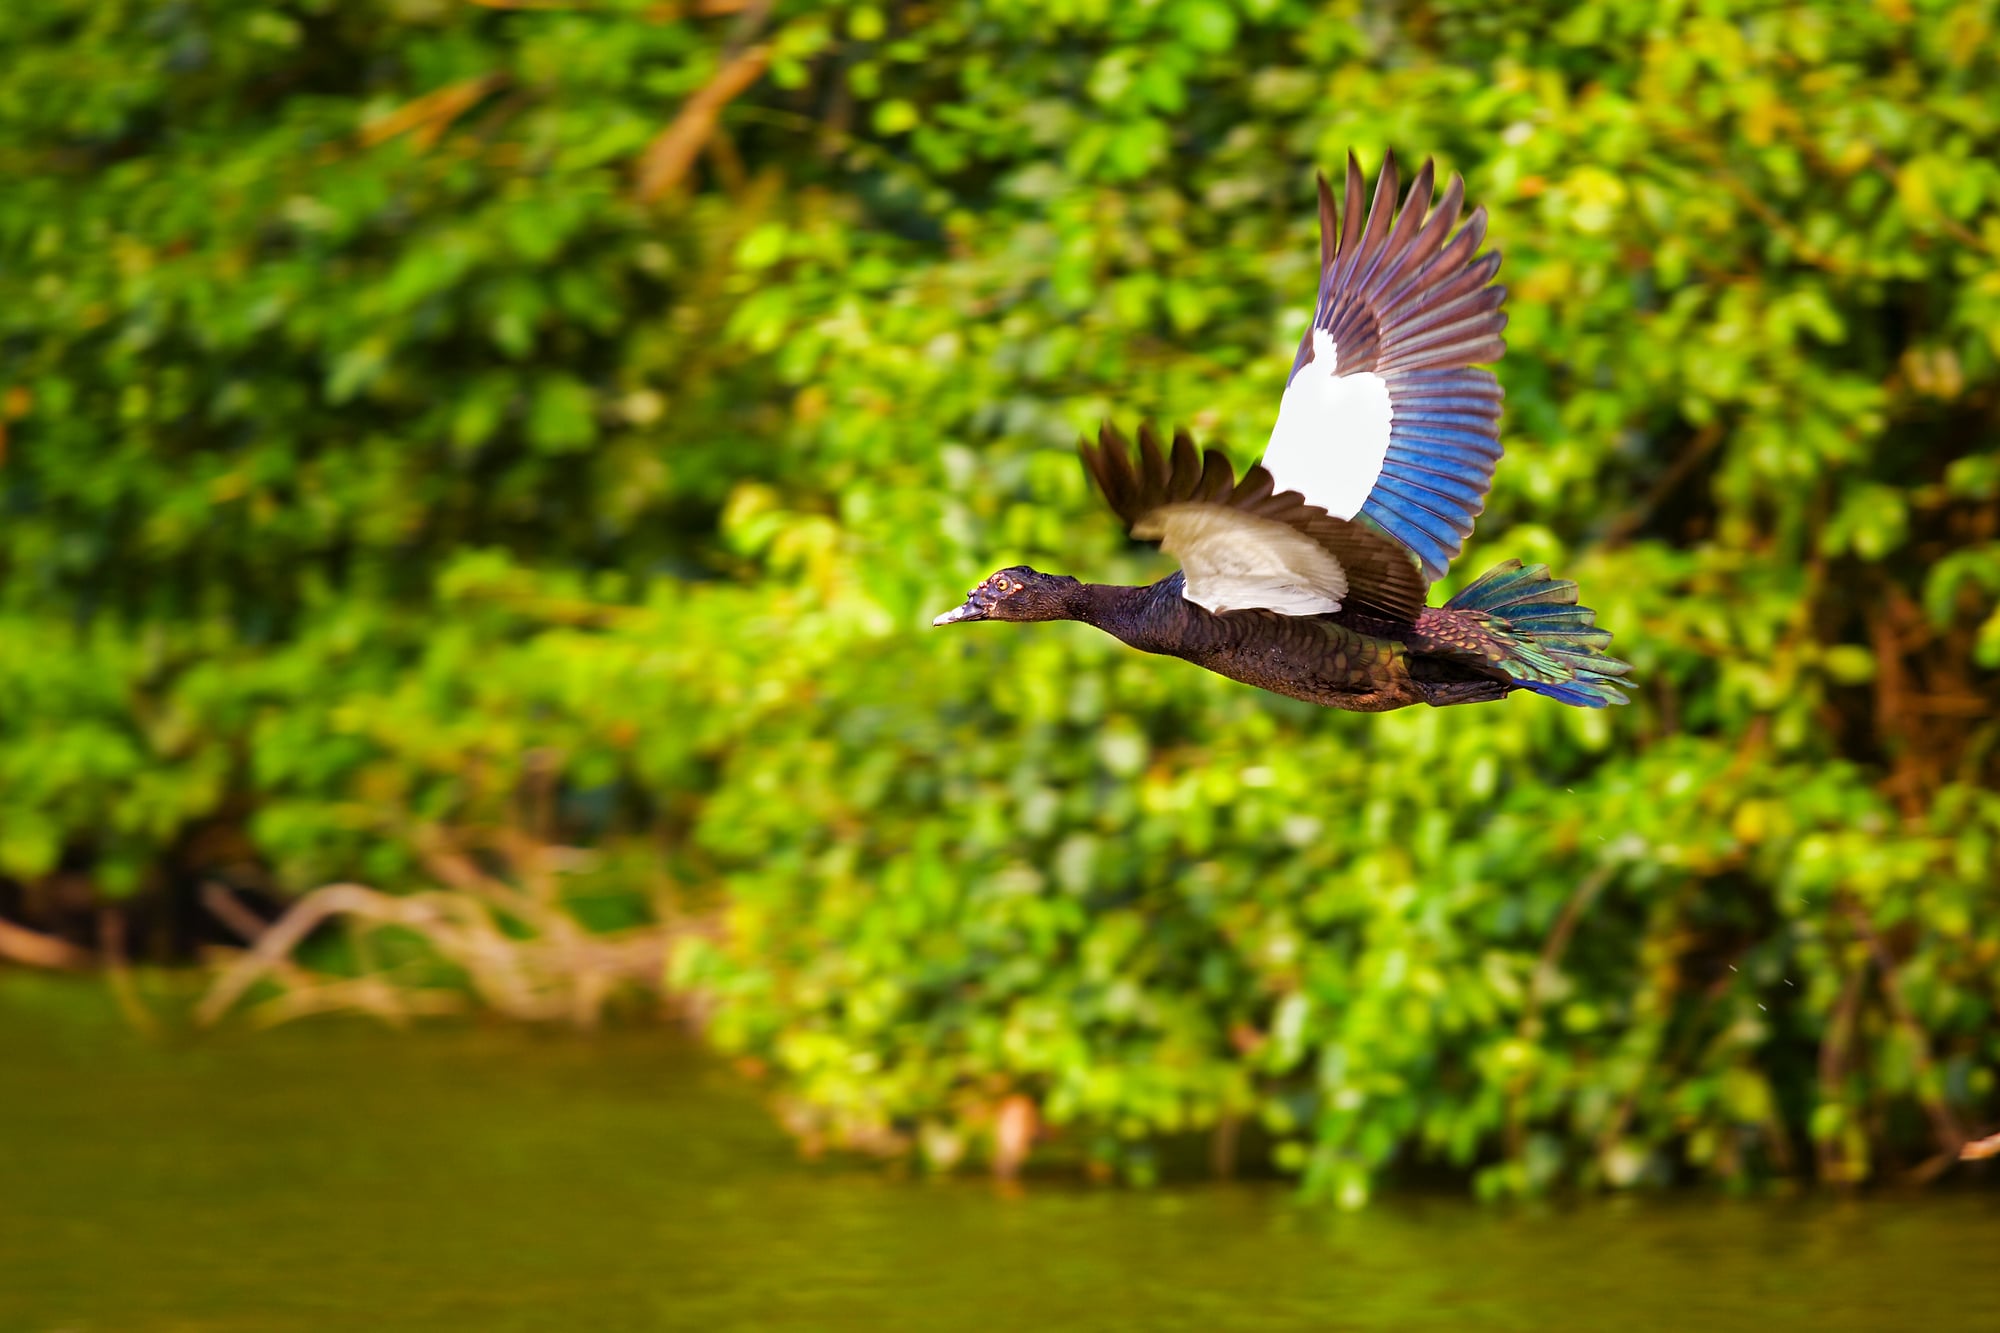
x=341, y=1176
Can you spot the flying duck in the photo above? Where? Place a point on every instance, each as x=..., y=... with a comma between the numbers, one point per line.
x=1309, y=575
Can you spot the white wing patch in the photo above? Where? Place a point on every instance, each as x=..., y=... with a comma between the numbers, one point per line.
x=1332, y=433
x=1235, y=561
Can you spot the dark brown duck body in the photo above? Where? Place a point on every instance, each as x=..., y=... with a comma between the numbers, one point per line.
x=1354, y=663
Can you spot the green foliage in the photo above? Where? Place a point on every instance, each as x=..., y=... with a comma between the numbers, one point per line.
x=375, y=460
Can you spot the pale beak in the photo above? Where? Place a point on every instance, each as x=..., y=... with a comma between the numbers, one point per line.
x=970, y=611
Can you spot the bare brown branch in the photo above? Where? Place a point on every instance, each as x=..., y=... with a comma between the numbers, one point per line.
x=430, y=115
x=558, y=972
x=118, y=969
x=667, y=159
x=18, y=944
x=1980, y=1149
x=227, y=908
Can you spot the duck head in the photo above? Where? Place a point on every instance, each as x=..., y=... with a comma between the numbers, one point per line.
x=1017, y=593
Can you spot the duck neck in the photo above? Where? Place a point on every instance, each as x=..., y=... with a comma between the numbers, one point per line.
x=1136, y=616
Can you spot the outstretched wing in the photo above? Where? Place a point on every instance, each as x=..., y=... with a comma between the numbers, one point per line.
x=1384, y=415
x=1244, y=543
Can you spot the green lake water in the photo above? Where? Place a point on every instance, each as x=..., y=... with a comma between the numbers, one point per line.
x=341, y=1176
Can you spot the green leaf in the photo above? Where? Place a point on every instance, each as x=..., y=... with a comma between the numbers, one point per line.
x=561, y=416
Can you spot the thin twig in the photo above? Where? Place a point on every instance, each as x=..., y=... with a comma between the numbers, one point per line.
x=1950, y=1136
x=1222, y=1145
x=1833, y=1046
x=111, y=943
x=1614, y=1128
x=1626, y=524
x=1541, y=980
x=1948, y=224
x=230, y=910
x=1557, y=943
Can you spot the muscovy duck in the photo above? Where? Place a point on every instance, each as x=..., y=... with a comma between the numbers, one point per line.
x=1309, y=576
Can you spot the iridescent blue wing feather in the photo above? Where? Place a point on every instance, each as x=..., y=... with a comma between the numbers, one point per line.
x=1387, y=413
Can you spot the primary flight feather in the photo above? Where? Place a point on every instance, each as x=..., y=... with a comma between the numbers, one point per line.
x=1309, y=575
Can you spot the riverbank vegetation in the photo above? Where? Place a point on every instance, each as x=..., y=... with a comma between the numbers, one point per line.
x=504, y=455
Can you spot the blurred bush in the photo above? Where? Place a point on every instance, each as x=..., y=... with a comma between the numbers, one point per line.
x=430, y=422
